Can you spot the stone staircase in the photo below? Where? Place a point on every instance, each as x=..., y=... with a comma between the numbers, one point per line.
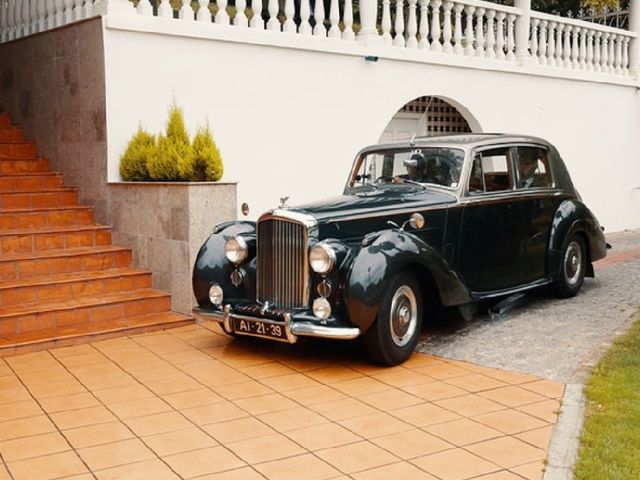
x=61, y=280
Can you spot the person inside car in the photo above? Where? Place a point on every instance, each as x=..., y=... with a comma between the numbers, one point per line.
x=528, y=170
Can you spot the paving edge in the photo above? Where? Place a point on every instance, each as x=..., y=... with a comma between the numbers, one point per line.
x=565, y=440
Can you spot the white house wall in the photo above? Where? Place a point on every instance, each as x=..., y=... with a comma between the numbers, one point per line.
x=288, y=121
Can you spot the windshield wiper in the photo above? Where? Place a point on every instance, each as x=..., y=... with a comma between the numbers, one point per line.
x=412, y=182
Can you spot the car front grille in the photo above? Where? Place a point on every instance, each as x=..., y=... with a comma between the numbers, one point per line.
x=283, y=267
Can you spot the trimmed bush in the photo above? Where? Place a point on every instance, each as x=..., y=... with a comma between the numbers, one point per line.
x=133, y=164
x=207, y=160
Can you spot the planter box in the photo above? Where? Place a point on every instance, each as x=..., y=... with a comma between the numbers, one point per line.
x=166, y=223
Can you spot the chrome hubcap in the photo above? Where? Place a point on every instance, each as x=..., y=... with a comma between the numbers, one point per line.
x=404, y=315
x=573, y=263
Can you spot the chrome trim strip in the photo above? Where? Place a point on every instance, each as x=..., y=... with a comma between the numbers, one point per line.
x=392, y=212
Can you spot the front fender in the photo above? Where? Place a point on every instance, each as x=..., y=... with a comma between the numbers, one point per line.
x=572, y=216
x=211, y=265
x=391, y=252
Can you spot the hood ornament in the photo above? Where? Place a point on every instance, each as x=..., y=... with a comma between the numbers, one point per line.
x=283, y=202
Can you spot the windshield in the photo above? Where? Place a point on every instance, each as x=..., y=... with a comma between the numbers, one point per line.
x=413, y=166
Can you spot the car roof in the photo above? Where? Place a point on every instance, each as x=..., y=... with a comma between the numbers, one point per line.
x=464, y=139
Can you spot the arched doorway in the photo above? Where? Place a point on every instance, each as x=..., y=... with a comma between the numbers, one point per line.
x=427, y=115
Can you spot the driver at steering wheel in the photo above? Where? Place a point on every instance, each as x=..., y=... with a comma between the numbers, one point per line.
x=415, y=168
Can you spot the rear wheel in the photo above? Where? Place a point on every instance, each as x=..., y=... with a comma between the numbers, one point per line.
x=572, y=268
x=394, y=335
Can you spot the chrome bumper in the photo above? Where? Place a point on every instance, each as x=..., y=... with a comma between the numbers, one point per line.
x=293, y=329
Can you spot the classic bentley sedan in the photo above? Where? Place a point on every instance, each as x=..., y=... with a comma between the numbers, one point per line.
x=446, y=220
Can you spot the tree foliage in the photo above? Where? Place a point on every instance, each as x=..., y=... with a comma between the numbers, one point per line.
x=133, y=164
x=208, y=163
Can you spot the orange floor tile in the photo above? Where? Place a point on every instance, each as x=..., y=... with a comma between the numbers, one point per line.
x=193, y=403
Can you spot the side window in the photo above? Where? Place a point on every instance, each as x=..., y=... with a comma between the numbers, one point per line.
x=533, y=168
x=491, y=171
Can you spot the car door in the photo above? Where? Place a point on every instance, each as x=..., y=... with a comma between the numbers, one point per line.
x=535, y=186
x=492, y=229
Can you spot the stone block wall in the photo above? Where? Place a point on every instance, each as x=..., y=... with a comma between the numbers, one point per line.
x=53, y=84
x=166, y=224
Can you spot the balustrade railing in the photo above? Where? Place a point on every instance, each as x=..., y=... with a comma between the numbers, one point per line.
x=568, y=43
x=472, y=28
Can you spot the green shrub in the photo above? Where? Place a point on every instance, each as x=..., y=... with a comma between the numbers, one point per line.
x=161, y=162
x=207, y=161
x=133, y=164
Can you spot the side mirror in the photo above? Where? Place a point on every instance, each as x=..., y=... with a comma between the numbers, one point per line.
x=416, y=221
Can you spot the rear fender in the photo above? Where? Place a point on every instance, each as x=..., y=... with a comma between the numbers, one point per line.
x=391, y=252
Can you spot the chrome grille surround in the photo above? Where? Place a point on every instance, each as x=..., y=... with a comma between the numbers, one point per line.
x=283, y=258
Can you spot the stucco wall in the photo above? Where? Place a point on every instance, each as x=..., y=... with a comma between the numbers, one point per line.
x=289, y=117
x=53, y=85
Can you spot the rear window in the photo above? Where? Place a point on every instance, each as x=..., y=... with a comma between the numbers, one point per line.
x=533, y=168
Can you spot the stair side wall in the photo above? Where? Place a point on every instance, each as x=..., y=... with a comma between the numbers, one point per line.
x=53, y=85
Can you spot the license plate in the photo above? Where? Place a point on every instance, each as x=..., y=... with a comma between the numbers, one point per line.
x=259, y=328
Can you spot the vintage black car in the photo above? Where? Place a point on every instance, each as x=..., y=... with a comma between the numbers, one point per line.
x=448, y=220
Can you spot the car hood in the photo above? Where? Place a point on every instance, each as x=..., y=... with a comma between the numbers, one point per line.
x=344, y=207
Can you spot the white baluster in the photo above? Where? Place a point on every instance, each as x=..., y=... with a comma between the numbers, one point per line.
x=33, y=16
x=305, y=17
x=51, y=13
x=500, y=35
x=78, y=9
x=185, y=12
x=240, y=19
x=480, y=32
x=457, y=29
x=511, y=37
x=289, y=11
x=273, y=6
x=566, y=56
x=551, y=44
x=165, y=9
x=575, y=47
x=347, y=20
x=589, y=58
x=597, y=49
x=222, y=17
x=625, y=55
x=26, y=17
x=559, y=31
x=17, y=18
x=491, y=34
x=203, y=15
x=583, y=49
x=59, y=19
x=446, y=32
x=612, y=53
x=468, y=31
x=604, y=57
x=412, y=25
x=334, y=19
x=436, y=46
x=11, y=19
x=423, y=28
x=542, y=42
x=533, y=47
x=87, y=9
x=4, y=27
x=318, y=15
x=618, y=63
x=386, y=22
x=398, y=40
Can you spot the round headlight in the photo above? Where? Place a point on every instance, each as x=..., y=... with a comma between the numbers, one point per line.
x=235, y=249
x=322, y=258
x=215, y=295
x=321, y=308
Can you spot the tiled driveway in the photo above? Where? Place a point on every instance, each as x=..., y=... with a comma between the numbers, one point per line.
x=190, y=403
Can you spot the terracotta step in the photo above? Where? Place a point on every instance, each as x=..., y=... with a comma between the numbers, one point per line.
x=11, y=134
x=59, y=197
x=5, y=119
x=13, y=242
x=19, y=267
x=30, y=182
x=18, y=150
x=23, y=165
x=89, y=332
x=17, y=319
x=65, y=286
x=46, y=217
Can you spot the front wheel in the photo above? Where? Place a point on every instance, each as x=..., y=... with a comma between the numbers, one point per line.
x=393, y=336
x=572, y=268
